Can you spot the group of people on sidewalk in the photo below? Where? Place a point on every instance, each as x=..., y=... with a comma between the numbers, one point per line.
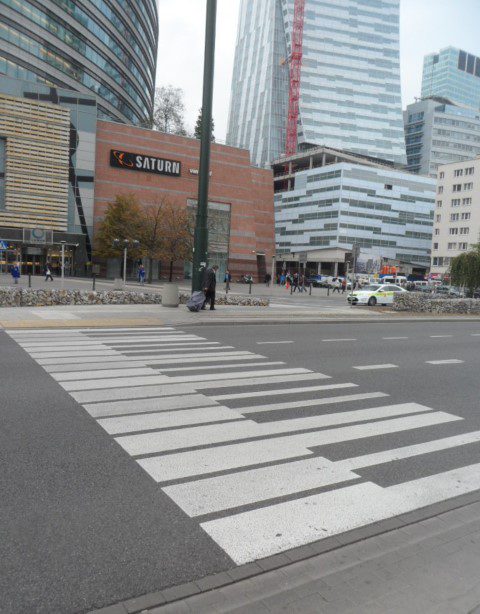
x=16, y=274
x=295, y=281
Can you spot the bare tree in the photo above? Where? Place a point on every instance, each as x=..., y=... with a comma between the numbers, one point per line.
x=169, y=110
x=151, y=234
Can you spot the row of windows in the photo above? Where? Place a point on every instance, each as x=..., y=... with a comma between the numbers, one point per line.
x=460, y=216
x=457, y=123
x=457, y=187
x=453, y=145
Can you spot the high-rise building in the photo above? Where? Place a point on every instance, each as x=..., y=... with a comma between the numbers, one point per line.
x=350, y=80
x=108, y=48
x=437, y=132
x=453, y=74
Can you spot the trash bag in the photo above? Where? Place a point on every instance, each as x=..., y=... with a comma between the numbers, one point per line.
x=196, y=301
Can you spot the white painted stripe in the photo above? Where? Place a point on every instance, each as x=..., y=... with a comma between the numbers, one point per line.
x=449, y=361
x=116, y=382
x=392, y=338
x=374, y=367
x=440, y=336
x=204, y=368
x=273, y=342
x=281, y=391
x=94, y=365
x=266, y=531
x=135, y=392
x=53, y=343
x=368, y=460
x=326, y=340
x=212, y=377
x=155, y=340
x=275, y=379
x=475, y=335
x=75, y=376
x=163, y=420
x=207, y=435
x=312, y=402
x=244, y=454
x=84, y=354
x=155, y=404
x=255, y=485
x=59, y=331
x=177, y=344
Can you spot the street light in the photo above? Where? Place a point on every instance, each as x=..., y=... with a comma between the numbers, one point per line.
x=62, y=243
x=126, y=243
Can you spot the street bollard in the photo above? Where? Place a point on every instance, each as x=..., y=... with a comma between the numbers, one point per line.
x=310, y=293
x=291, y=289
x=250, y=287
x=94, y=279
x=29, y=280
x=328, y=290
x=227, y=287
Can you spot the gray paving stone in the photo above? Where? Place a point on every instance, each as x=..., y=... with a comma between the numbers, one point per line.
x=179, y=607
x=146, y=601
x=244, y=571
x=111, y=609
x=252, y=608
x=273, y=562
x=215, y=581
x=312, y=604
x=180, y=592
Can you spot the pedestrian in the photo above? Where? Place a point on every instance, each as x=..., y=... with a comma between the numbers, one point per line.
x=141, y=274
x=15, y=272
x=344, y=285
x=209, y=285
x=282, y=279
x=48, y=272
x=227, y=280
x=336, y=285
x=268, y=279
x=295, y=282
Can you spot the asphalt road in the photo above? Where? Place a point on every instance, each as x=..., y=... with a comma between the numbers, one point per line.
x=112, y=487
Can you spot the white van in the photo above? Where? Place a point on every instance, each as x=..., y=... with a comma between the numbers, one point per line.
x=393, y=279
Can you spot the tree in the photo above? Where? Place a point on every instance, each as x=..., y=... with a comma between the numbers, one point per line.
x=198, y=127
x=465, y=270
x=151, y=234
x=169, y=110
x=121, y=221
x=177, y=240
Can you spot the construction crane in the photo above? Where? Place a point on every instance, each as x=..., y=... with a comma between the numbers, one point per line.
x=295, y=76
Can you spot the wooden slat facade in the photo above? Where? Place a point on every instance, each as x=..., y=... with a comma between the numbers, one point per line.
x=37, y=159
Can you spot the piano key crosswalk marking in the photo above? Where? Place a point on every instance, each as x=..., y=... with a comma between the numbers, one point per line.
x=256, y=484
x=447, y=361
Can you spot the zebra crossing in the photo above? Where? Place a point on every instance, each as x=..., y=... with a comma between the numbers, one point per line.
x=240, y=442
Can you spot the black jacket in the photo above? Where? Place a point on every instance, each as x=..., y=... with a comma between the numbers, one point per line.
x=210, y=280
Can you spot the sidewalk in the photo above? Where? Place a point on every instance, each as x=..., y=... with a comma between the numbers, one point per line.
x=423, y=566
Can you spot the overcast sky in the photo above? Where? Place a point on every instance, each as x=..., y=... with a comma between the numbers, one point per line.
x=426, y=26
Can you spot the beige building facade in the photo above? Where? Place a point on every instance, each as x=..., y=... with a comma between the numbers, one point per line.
x=457, y=213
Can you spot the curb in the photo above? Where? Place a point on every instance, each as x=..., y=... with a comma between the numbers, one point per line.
x=295, y=555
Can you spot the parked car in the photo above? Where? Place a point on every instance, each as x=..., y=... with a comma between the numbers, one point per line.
x=315, y=280
x=450, y=291
x=383, y=294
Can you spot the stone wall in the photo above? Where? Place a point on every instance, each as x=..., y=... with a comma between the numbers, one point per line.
x=28, y=297
x=421, y=303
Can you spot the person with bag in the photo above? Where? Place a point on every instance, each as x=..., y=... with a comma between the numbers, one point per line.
x=209, y=286
x=48, y=273
x=15, y=272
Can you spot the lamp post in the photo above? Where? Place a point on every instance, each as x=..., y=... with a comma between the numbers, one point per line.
x=63, y=263
x=126, y=244
x=200, y=250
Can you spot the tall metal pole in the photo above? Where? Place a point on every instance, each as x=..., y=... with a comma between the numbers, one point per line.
x=200, y=253
x=125, y=266
x=63, y=263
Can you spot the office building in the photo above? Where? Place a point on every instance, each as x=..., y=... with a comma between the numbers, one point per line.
x=453, y=74
x=350, y=79
x=457, y=213
x=105, y=48
x=329, y=201
x=438, y=132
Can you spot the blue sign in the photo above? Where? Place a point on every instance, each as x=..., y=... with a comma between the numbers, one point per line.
x=3, y=245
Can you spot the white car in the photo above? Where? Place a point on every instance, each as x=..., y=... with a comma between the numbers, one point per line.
x=381, y=294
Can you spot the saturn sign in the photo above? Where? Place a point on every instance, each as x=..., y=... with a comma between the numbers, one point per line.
x=147, y=164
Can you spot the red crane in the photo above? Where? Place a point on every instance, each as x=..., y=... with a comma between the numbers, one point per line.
x=295, y=76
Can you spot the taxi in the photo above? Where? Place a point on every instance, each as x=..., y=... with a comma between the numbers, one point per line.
x=374, y=294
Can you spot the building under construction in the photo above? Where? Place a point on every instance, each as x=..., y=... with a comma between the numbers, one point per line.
x=317, y=73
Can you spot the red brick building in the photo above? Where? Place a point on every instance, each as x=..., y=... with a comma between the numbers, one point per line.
x=240, y=196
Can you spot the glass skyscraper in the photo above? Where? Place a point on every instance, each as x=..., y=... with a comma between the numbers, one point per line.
x=350, y=83
x=100, y=46
x=453, y=74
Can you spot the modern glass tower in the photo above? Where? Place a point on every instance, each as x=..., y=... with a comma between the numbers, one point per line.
x=350, y=83
x=453, y=74
x=100, y=46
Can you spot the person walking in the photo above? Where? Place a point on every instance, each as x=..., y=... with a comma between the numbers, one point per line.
x=336, y=286
x=268, y=279
x=15, y=272
x=209, y=285
x=344, y=285
x=48, y=272
x=141, y=274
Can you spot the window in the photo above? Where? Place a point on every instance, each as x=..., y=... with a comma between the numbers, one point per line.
x=440, y=189
x=435, y=246
x=457, y=187
x=458, y=172
x=2, y=173
x=388, y=186
x=463, y=246
x=437, y=231
x=470, y=170
x=464, y=231
x=467, y=201
x=452, y=246
x=454, y=217
x=438, y=218
x=439, y=204
x=453, y=231
x=442, y=175
x=468, y=186
x=466, y=216
x=456, y=202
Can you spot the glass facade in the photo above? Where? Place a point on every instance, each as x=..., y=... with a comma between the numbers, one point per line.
x=108, y=48
x=350, y=83
x=453, y=74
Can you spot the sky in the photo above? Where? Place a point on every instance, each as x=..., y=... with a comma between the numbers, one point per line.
x=425, y=26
